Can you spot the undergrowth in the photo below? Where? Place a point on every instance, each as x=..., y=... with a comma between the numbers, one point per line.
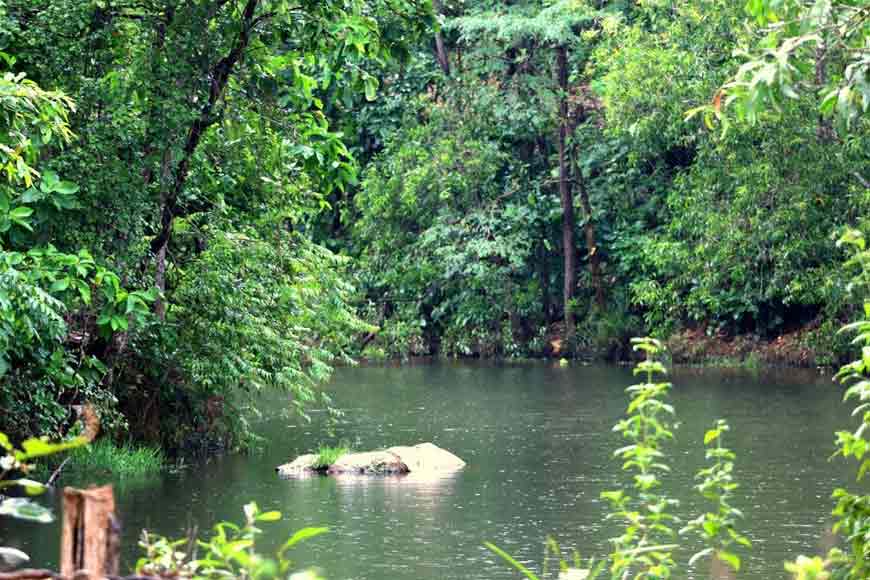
x=105, y=456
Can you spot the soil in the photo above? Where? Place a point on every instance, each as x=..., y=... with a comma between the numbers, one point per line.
x=696, y=347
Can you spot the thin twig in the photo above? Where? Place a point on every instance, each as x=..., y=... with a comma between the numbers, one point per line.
x=56, y=473
x=860, y=178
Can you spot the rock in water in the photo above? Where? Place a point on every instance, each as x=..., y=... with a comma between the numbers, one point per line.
x=370, y=462
x=427, y=457
x=302, y=465
x=10, y=559
x=422, y=458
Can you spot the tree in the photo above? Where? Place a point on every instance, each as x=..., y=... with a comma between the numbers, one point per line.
x=202, y=124
x=46, y=359
x=556, y=26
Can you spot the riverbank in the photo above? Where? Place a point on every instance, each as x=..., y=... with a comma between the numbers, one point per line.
x=104, y=458
x=794, y=349
x=805, y=347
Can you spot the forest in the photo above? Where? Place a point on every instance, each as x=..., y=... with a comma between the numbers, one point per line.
x=207, y=200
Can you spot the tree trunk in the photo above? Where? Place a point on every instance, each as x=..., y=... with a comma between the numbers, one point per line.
x=565, y=194
x=219, y=76
x=440, y=52
x=825, y=129
x=90, y=538
x=591, y=247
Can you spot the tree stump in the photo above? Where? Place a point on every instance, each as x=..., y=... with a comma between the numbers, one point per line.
x=90, y=539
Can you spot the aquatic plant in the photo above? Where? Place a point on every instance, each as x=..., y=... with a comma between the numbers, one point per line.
x=327, y=455
x=105, y=456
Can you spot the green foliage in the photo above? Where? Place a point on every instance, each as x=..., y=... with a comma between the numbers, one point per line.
x=208, y=145
x=805, y=568
x=17, y=461
x=744, y=266
x=263, y=309
x=553, y=23
x=822, y=45
x=229, y=552
x=690, y=50
x=447, y=232
x=644, y=548
x=45, y=361
x=718, y=528
x=853, y=510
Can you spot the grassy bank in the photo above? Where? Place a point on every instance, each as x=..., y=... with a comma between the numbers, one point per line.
x=106, y=457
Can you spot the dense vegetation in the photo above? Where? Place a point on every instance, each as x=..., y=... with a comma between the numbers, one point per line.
x=208, y=199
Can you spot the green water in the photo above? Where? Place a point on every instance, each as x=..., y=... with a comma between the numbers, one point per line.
x=538, y=442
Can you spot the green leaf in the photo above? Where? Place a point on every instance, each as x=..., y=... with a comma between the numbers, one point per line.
x=371, y=87
x=698, y=555
x=84, y=292
x=272, y=516
x=4, y=442
x=711, y=435
x=31, y=195
x=30, y=486
x=510, y=560
x=729, y=558
x=66, y=188
x=301, y=535
x=21, y=212
x=60, y=285
x=35, y=447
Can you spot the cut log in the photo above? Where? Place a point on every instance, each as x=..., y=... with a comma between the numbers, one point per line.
x=90, y=537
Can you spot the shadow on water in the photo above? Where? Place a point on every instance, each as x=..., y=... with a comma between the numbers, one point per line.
x=538, y=442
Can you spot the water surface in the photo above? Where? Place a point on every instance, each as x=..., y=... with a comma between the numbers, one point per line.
x=538, y=442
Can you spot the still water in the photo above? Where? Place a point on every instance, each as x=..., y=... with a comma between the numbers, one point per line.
x=538, y=442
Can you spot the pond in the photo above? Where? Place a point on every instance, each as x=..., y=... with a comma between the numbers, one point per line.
x=538, y=442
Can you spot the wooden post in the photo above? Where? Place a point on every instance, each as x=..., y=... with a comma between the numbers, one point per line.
x=90, y=541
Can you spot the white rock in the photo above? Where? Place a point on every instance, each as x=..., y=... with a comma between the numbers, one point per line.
x=299, y=466
x=369, y=462
x=427, y=457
